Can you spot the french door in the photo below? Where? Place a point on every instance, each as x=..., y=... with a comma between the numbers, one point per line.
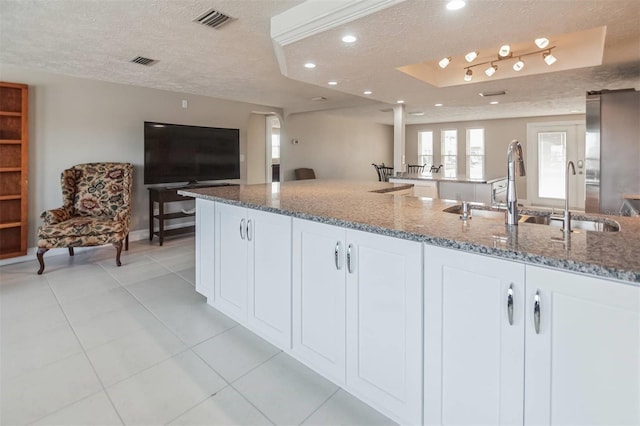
x=550, y=146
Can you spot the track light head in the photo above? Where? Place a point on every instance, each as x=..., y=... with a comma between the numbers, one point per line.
x=541, y=42
x=471, y=56
x=518, y=65
x=504, y=51
x=491, y=70
x=468, y=75
x=549, y=58
x=444, y=62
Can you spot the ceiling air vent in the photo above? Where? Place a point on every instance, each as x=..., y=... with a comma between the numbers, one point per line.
x=213, y=19
x=487, y=94
x=143, y=61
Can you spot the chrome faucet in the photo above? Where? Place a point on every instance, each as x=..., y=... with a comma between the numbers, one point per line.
x=566, y=225
x=514, y=150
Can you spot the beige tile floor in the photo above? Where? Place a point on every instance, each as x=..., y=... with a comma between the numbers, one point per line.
x=88, y=343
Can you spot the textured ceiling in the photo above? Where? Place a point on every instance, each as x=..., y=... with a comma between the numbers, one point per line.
x=96, y=39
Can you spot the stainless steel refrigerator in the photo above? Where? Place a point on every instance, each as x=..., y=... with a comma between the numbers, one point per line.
x=612, y=151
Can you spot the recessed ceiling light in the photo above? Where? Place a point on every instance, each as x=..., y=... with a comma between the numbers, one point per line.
x=576, y=111
x=456, y=4
x=416, y=113
x=494, y=102
x=367, y=92
x=400, y=101
x=349, y=38
x=438, y=105
x=310, y=65
x=319, y=98
x=332, y=83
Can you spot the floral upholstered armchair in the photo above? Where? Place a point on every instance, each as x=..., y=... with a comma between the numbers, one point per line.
x=95, y=211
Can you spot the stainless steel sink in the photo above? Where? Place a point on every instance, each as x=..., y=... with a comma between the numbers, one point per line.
x=541, y=218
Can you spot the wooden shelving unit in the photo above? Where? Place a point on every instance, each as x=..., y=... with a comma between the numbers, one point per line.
x=14, y=129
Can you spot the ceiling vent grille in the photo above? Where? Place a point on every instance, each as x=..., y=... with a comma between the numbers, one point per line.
x=488, y=94
x=143, y=61
x=213, y=19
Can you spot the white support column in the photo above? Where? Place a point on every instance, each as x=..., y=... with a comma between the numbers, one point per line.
x=398, y=139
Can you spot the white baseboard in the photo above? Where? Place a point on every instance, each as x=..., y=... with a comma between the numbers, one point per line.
x=140, y=234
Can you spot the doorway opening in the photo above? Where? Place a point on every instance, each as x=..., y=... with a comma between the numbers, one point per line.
x=550, y=146
x=273, y=132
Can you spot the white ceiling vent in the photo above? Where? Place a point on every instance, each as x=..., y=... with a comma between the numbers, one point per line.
x=213, y=18
x=143, y=61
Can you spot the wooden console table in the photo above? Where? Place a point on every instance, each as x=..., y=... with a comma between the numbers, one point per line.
x=162, y=196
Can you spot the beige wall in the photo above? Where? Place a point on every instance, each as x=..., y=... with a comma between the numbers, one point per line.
x=497, y=134
x=335, y=147
x=256, y=136
x=75, y=120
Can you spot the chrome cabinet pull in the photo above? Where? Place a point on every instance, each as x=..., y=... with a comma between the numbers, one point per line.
x=249, y=230
x=536, y=311
x=242, y=229
x=510, y=304
x=336, y=254
x=349, y=266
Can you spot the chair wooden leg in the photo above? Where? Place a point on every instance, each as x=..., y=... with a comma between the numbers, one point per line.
x=126, y=243
x=71, y=253
x=39, y=255
x=118, y=246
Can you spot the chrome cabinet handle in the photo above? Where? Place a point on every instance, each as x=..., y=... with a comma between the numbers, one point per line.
x=249, y=230
x=510, y=304
x=536, y=311
x=242, y=229
x=349, y=266
x=336, y=254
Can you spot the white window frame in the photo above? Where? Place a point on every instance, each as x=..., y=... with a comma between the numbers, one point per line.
x=447, y=170
x=425, y=159
x=469, y=155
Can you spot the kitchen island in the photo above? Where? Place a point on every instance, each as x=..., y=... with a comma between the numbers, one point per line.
x=426, y=317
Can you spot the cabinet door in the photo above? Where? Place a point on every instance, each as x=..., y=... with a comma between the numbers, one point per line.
x=269, y=313
x=384, y=323
x=231, y=250
x=474, y=354
x=319, y=297
x=583, y=366
x=205, y=233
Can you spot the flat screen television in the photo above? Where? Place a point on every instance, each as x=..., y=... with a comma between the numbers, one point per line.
x=178, y=153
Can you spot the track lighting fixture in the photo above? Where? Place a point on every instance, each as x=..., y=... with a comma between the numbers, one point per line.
x=471, y=56
x=504, y=54
x=444, y=62
x=491, y=70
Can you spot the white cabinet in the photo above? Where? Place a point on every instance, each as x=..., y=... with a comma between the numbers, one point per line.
x=583, y=365
x=357, y=314
x=474, y=339
x=570, y=354
x=253, y=270
x=205, y=237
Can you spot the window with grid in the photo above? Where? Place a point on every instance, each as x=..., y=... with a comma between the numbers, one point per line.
x=275, y=144
x=449, y=153
x=475, y=153
x=425, y=148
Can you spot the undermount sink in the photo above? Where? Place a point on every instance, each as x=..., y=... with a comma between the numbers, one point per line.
x=584, y=224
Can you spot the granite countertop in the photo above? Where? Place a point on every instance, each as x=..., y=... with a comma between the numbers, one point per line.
x=459, y=179
x=365, y=206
